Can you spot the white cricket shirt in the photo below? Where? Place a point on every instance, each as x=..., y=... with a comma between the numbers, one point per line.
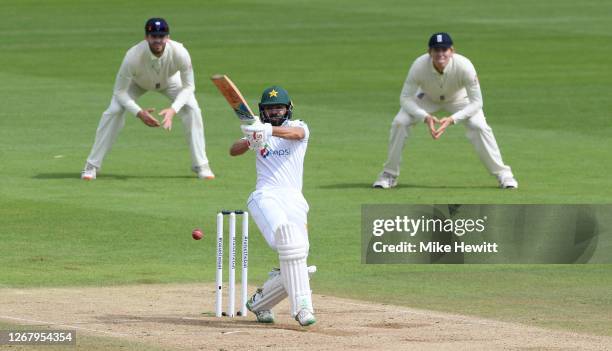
x=149, y=72
x=458, y=82
x=281, y=164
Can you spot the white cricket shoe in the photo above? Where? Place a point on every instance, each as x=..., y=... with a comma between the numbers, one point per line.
x=305, y=317
x=264, y=316
x=508, y=183
x=385, y=181
x=204, y=172
x=89, y=173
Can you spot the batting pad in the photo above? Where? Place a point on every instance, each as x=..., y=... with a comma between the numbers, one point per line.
x=292, y=249
x=273, y=292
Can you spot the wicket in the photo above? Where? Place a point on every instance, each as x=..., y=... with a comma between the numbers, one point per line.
x=232, y=263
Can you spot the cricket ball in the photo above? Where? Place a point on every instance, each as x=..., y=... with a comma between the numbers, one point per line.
x=197, y=234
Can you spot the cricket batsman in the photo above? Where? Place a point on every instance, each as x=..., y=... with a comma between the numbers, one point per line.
x=443, y=80
x=155, y=64
x=277, y=205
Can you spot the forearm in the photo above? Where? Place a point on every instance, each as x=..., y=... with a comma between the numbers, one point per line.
x=474, y=105
x=122, y=86
x=472, y=87
x=239, y=147
x=188, y=89
x=128, y=103
x=408, y=103
x=182, y=98
x=408, y=99
x=121, y=93
x=291, y=133
x=468, y=111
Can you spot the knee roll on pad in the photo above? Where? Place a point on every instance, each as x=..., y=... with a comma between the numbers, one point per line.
x=290, y=243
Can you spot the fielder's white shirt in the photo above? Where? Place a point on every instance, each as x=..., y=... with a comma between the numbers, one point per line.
x=149, y=72
x=281, y=164
x=457, y=83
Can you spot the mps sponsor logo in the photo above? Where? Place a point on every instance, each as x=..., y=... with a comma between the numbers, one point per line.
x=267, y=152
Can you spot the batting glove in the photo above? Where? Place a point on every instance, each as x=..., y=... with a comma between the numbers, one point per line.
x=257, y=134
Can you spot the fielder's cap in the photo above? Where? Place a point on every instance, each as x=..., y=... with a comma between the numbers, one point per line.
x=440, y=40
x=157, y=26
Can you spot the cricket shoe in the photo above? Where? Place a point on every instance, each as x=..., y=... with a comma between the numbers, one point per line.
x=385, y=181
x=508, y=183
x=264, y=316
x=305, y=317
x=89, y=173
x=204, y=172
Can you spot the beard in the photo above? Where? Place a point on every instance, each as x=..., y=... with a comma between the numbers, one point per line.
x=157, y=48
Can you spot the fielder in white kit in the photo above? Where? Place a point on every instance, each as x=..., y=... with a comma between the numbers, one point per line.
x=278, y=206
x=443, y=80
x=155, y=64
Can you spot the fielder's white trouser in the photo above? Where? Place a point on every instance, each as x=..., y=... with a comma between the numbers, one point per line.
x=113, y=120
x=477, y=130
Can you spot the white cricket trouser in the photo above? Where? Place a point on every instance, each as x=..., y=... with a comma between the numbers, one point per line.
x=281, y=215
x=271, y=208
x=113, y=120
x=477, y=131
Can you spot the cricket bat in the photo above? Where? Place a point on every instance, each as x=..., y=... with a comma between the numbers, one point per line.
x=233, y=96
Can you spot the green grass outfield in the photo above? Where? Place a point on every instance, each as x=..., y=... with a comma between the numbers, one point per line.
x=544, y=70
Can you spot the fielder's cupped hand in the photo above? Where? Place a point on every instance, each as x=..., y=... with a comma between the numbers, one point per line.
x=444, y=123
x=168, y=114
x=147, y=118
x=431, y=124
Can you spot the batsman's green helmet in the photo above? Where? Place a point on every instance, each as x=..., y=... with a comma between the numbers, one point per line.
x=275, y=95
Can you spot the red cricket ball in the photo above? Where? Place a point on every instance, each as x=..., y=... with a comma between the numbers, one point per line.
x=197, y=234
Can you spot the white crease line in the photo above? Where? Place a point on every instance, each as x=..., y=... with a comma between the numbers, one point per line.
x=64, y=325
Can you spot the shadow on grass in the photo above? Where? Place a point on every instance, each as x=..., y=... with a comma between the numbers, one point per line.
x=404, y=186
x=109, y=176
